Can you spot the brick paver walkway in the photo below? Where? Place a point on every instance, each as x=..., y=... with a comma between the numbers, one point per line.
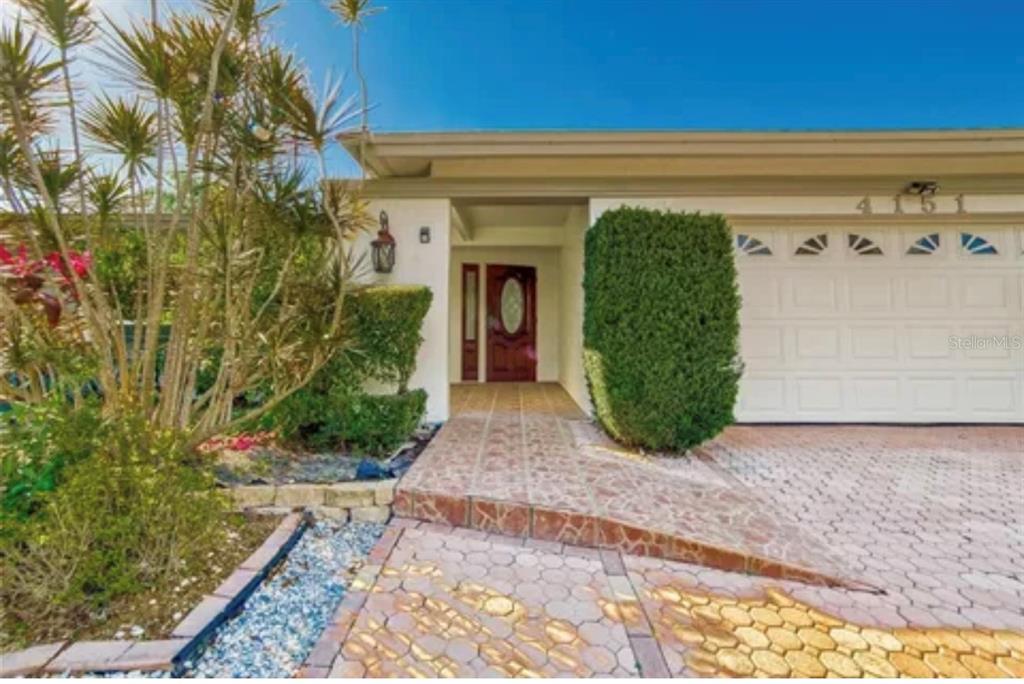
x=933, y=517
x=520, y=460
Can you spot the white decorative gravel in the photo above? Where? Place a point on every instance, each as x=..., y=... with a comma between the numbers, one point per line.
x=280, y=623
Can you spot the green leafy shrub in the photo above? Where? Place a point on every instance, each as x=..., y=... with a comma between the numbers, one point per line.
x=138, y=511
x=333, y=410
x=661, y=326
x=386, y=322
x=37, y=442
x=378, y=424
x=313, y=416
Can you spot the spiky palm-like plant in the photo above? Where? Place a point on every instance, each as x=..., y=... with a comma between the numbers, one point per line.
x=67, y=24
x=353, y=14
x=244, y=272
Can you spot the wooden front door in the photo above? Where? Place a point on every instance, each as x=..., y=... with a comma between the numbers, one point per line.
x=511, y=323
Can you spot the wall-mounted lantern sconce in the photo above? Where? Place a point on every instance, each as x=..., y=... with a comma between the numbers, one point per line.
x=383, y=248
x=424, y=235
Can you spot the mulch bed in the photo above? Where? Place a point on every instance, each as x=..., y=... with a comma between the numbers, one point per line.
x=157, y=610
x=277, y=465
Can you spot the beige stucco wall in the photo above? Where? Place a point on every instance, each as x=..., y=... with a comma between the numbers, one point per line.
x=570, y=366
x=421, y=264
x=549, y=285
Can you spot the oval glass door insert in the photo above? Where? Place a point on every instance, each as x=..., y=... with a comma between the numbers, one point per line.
x=512, y=306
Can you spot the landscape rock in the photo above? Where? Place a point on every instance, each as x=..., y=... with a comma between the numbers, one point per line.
x=384, y=492
x=299, y=495
x=331, y=513
x=252, y=496
x=283, y=619
x=349, y=494
x=377, y=514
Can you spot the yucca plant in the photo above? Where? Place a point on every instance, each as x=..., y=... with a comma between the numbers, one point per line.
x=67, y=24
x=212, y=246
x=353, y=14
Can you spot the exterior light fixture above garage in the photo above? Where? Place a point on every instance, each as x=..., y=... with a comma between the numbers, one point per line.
x=925, y=188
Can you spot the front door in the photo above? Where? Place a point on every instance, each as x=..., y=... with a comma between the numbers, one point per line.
x=511, y=323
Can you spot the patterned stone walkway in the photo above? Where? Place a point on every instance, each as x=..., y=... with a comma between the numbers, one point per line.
x=520, y=460
x=933, y=517
x=450, y=602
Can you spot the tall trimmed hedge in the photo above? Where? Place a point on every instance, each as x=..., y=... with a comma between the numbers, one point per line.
x=661, y=326
x=386, y=322
x=333, y=410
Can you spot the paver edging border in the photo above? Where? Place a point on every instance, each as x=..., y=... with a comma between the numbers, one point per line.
x=321, y=658
x=187, y=636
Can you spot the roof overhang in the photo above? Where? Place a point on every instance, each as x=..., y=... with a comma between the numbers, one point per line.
x=589, y=163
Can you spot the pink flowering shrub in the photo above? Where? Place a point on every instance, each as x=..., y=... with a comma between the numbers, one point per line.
x=28, y=278
x=241, y=442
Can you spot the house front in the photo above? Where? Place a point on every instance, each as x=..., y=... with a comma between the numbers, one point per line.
x=882, y=273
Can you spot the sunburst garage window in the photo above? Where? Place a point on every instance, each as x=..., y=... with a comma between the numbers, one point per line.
x=864, y=246
x=751, y=246
x=813, y=246
x=925, y=245
x=976, y=244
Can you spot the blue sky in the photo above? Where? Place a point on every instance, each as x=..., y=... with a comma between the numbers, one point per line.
x=598, y=64
x=661, y=64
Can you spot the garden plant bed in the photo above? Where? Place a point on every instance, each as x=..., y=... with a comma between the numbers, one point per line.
x=331, y=485
x=278, y=465
x=177, y=636
x=153, y=613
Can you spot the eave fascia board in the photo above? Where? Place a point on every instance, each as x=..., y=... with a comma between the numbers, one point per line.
x=422, y=148
x=580, y=189
x=439, y=145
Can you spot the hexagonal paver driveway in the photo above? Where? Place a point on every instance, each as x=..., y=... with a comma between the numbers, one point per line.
x=459, y=603
x=932, y=518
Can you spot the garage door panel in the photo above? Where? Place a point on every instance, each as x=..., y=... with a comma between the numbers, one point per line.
x=880, y=395
x=814, y=345
x=926, y=343
x=763, y=397
x=841, y=333
x=874, y=343
x=992, y=397
x=933, y=397
x=762, y=343
x=926, y=293
x=869, y=293
x=988, y=294
x=985, y=342
x=761, y=294
x=819, y=394
x=812, y=295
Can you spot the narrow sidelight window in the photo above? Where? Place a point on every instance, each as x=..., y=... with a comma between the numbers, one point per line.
x=470, y=307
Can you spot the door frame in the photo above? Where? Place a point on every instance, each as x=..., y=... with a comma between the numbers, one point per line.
x=530, y=319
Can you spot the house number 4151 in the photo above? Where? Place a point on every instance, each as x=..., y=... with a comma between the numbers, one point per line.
x=928, y=205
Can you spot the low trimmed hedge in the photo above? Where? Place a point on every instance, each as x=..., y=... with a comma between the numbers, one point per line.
x=661, y=326
x=379, y=424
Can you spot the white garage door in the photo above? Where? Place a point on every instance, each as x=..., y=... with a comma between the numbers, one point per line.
x=909, y=324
